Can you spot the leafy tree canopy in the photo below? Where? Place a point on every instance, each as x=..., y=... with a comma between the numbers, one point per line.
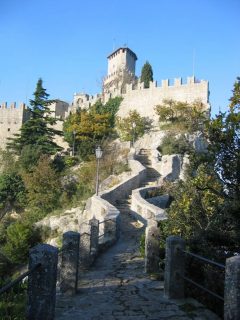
x=12, y=192
x=86, y=129
x=182, y=116
x=43, y=185
x=111, y=108
x=146, y=74
x=224, y=137
x=133, y=126
x=206, y=206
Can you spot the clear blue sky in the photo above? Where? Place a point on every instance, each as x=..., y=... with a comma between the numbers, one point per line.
x=66, y=42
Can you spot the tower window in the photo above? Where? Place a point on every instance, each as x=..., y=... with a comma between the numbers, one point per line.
x=8, y=129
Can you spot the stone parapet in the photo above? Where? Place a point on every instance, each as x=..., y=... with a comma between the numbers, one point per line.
x=147, y=212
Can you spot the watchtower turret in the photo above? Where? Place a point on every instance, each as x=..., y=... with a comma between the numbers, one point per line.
x=121, y=69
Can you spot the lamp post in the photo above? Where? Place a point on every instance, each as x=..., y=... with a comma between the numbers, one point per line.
x=73, y=149
x=133, y=137
x=98, y=153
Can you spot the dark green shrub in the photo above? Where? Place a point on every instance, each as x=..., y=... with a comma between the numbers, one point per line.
x=20, y=238
x=174, y=145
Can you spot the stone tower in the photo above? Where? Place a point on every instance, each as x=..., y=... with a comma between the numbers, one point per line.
x=121, y=70
x=11, y=120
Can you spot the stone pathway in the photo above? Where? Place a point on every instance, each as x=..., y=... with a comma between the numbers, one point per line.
x=117, y=288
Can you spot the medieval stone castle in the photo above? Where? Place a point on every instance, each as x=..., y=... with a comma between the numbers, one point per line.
x=120, y=81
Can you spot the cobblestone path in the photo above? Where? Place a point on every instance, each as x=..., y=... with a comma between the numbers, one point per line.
x=117, y=288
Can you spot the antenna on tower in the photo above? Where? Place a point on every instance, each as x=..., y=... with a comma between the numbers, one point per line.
x=114, y=44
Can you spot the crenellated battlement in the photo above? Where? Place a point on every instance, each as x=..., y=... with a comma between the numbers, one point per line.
x=166, y=84
x=144, y=100
x=12, y=106
x=11, y=119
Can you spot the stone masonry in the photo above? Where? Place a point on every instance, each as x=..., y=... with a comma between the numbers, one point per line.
x=120, y=81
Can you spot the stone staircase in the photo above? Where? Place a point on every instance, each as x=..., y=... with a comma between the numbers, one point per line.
x=116, y=287
x=152, y=174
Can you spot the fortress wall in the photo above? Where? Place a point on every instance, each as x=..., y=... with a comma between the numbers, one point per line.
x=11, y=120
x=144, y=100
x=59, y=109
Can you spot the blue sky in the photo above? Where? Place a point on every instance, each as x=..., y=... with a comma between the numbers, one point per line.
x=66, y=42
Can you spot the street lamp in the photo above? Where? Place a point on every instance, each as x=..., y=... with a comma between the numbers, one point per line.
x=98, y=153
x=133, y=137
x=73, y=149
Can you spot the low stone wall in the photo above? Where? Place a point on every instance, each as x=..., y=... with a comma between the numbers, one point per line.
x=123, y=189
x=103, y=206
x=147, y=212
x=108, y=217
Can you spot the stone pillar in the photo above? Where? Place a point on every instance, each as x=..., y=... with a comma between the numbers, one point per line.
x=42, y=283
x=94, y=231
x=152, y=249
x=173, y=283
x=232, y=289
x=84, y=251
x=69, y=265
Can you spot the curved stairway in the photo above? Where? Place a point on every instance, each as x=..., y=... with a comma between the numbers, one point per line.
x=152, y=174
x=117, y=288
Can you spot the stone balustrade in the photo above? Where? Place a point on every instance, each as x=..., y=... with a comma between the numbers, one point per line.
x=174, y=273
x=77, y=253
x=103, y=205
x=145, y=211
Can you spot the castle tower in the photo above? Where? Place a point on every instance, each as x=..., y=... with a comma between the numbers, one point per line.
x=121, y=70
x=11, y=120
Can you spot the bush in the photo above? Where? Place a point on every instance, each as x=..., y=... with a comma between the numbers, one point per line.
x=12, y=190
x=43, y=185
x=13, y=302
x=70, y=161
x=174, y=145
x=19, y=239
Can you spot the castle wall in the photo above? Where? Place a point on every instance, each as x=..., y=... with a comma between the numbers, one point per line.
x=59, y=109
x=11, y=120
x=145, y=100
x=83, y=101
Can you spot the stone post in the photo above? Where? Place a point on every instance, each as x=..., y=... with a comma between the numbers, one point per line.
x=69, y=265
x=152, y=249
x=94, y=231
x=174, y=267
x=42, y=283
x=84, y=251
x=232, y=289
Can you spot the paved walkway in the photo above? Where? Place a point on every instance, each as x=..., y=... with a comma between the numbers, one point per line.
x=117, y=288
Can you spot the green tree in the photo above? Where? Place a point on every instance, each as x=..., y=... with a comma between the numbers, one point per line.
x=181, y=116
x=37, y=131
x=43, y=185
x=146, y=74
x=224, y=137
x=133, y=126
x=172, y=144
x=206, y=206
x=111, y=108
x=19, y=239
x=12, y=192
x=86, y=129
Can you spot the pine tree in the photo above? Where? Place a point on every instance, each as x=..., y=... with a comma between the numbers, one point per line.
x=37, y=132
x=146, y=74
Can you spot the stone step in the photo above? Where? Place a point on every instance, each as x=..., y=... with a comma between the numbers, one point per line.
x=145, y=151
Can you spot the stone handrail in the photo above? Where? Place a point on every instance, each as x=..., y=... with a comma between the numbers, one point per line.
x=147, y=212
x=103, y=206
x=174, y=272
